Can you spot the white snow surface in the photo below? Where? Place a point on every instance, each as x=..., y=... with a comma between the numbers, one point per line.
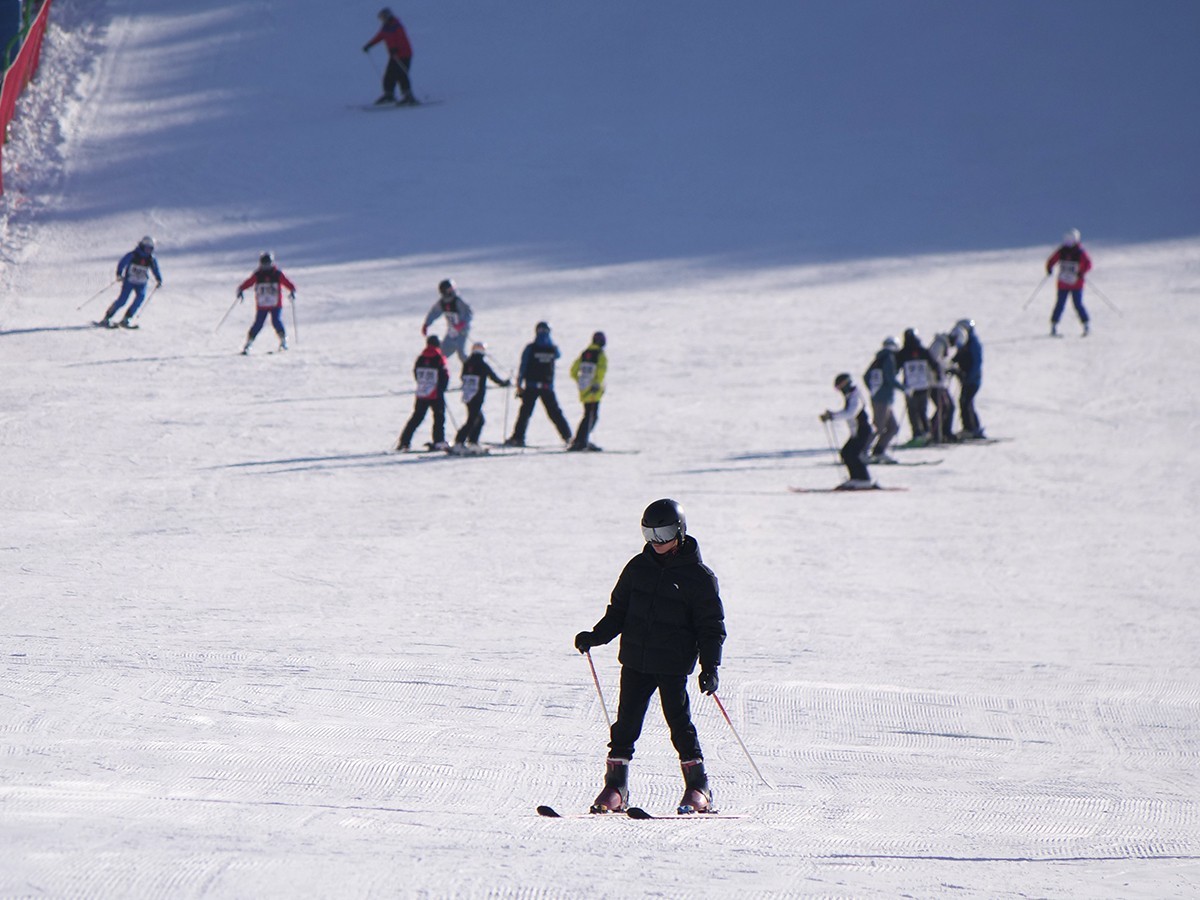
x=249, y=653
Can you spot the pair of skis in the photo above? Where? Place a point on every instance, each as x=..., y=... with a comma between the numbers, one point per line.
x=633, y=812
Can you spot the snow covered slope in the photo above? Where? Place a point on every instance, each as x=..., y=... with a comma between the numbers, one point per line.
x=250, y=653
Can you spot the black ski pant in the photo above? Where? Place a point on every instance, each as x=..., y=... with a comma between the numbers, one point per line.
x=396, y=73
x=918, y=418
x=966, y=403
x=423, y=405
x=473, y=427
x=529, y=399
x=853, y=452
x=636, y=690
x=591, y=412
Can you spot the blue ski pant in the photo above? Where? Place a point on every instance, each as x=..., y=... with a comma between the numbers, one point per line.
x=139, y=297
x=1076, y=295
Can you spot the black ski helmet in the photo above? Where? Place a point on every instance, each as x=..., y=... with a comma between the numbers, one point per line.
x=433, y=341
x=598, y=339
x=445, y=286
x=267, y=258
x=542, y=327
x=842, y=381
x=663, y=521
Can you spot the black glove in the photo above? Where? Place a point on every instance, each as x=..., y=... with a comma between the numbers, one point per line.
x=585, y=641
x=506, y=383
x=366, y=48
x=240, y=295
x=708, y=681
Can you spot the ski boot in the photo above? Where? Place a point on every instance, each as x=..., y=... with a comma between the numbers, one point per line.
x=283, y=343
x=697, y=795
x=385, y=99
x=127, y=321
x=1086, y=329
x=614, y=796
x=408, y=100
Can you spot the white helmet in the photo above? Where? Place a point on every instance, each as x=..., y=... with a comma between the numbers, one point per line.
x=479, y=347
x=1072, y=237
x=890, y=343
x=146, y=243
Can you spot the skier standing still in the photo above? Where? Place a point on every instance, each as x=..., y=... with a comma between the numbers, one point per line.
x=433, y=377
x=589, y=371
x=475, y=375
x=134, y=269
x=1073, y=264
x=268, y=282
x=400, y=54
x=535, y=381
x=882, y=383
x=666, y=606
x=854, y=451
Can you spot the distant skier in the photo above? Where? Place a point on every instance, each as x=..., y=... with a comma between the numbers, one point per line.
x=589, y=371
x=433, y=377
x=666, y=607
x=882, y=383
x=135, y=269
x=535, y=381
x=968, y=365
x=917, y=365
x=268, y=282
x=854, y=451
x=475, y=375
x=941, y=425
x=458, y=319
x=1073, y=264
x=400, y=55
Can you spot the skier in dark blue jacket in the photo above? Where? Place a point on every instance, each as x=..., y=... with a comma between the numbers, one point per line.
x=135, y=269
x=535, y=381
x=968, y=365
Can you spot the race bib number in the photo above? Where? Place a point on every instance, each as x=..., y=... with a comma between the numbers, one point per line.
x=916, y=374
x=587, y=371
x=137, y=274
x=470, y=387
x=266, y=294
x=427, y=383
x=874, y=380
x=1068, y=270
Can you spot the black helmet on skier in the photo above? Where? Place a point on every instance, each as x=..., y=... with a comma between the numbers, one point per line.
x=445, y=286
x=267, y=258
x=664, y=521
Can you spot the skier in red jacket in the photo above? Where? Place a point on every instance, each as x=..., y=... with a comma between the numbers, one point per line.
x=268, y=283
x=399, y=59
x=1073, y=263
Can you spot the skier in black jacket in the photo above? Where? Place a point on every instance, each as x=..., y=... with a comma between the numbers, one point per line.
x=535, y=381
x=475, y=375
x=667, y=608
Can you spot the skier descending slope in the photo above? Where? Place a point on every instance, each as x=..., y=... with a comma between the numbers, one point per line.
x=458, y=320
x=134, y=269
x=854, y=450
x=667, y=608
x=1073, y=264
x=268, y=282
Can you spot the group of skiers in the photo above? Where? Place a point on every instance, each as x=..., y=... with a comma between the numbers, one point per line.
x=534, y=381
x=923, y=375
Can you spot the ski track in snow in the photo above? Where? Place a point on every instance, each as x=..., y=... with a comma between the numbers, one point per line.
x=239, y=659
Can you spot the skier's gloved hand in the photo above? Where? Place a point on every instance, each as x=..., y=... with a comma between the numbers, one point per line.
x=291, y=295
x=157, y=284
x=507, y=382
x=424, y=329
x=366, y=48
x=241, y=296
x=708, y=681
x=826, y=416
x=585, y=641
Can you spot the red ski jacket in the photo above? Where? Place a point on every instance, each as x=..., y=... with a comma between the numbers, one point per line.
x=393, y=35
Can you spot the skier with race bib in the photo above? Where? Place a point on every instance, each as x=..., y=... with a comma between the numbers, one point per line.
x=1073, y=264
x=134, y=270
x=666, y=606
x=458, y=319
x=433, y=377
x=917, y=366
x=589, y=371
x=268, y=283
x=475, y=375
x=882, y=383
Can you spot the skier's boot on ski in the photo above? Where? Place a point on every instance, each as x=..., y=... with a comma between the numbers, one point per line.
x=614, y=796
x=697, y=795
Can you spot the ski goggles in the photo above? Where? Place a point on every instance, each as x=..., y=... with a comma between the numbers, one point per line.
x=660, y=534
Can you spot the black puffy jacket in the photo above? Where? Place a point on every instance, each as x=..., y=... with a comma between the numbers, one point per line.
x=667, y=609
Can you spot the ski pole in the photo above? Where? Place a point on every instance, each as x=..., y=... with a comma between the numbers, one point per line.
x=828, y=426
x=1104, y=297
x=295, y=326
x=236, y=301
x=98, y=293
x=753, y=765
x=599, y=692
x=1035, y=292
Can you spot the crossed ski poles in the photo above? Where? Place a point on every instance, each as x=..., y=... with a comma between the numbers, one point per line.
x=715, y=696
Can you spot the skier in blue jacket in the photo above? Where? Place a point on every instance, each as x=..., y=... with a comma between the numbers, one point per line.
x=968, y=365
x=135, y=269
